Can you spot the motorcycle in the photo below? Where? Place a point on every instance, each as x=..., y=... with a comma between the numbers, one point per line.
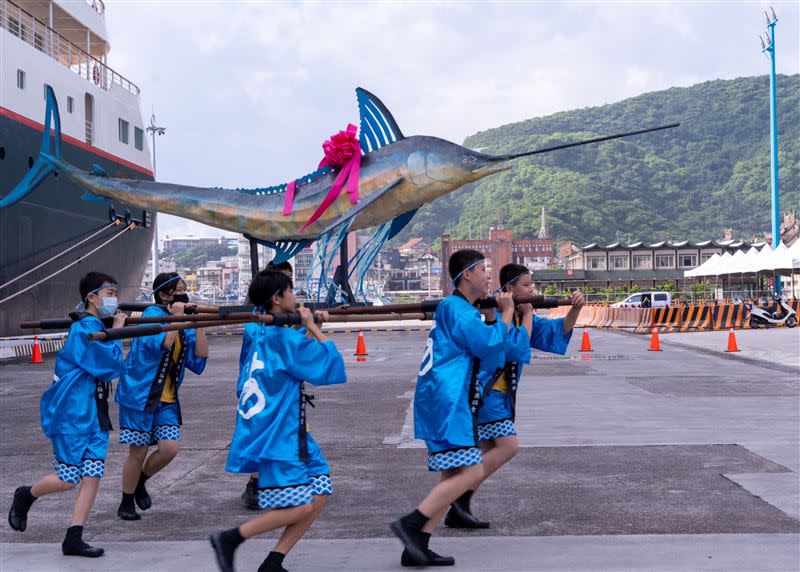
x=760, y=316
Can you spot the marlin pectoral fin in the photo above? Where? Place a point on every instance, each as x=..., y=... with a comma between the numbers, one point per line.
x=284, y=249
x=87, y=196
x=98, y=171
x=378, y=127
x=361, y=206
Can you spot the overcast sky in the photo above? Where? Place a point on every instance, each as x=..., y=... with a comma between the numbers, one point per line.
x=248, y=91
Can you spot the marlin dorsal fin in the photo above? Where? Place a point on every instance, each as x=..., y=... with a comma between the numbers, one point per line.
x=378, y=127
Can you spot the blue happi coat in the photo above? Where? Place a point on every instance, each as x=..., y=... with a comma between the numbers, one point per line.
x=141, y=386
x=548, y=336
x=443, y=397
x=70, y=405
x=270, y=421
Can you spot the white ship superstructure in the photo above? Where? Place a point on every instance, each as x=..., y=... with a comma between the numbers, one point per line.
x=65, y=45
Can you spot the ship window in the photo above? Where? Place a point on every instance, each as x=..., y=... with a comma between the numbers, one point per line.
x=70, y=105
x=20, y=79
x=123, y=131
x=138, y=138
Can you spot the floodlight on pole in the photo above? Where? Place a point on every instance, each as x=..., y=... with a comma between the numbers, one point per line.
x=769, y=50
x=154, y=130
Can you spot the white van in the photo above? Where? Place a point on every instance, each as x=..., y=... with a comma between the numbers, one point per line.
x=650, y=299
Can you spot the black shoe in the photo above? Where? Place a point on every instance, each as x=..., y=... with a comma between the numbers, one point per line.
x=411, y=539
x=250, y=494
x=433, y=559
x=80, y=548
x=128, y=513
x=140, y=494
x=18, y=513
x=273, y=563
x=457, y=517
x=223, y=551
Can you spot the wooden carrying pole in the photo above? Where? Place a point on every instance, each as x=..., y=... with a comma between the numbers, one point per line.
x=234, y=313
x=281, y=319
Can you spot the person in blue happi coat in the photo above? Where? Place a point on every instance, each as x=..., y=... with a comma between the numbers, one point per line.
x=250, y=494
x=149, y=408
x=271, y=436
x=74, y=412
x=447, y=397
x=496, y=429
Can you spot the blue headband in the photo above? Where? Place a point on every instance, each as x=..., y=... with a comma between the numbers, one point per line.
x=470, y=267
x=95, y=291
x=510, y=282
x=170, y=281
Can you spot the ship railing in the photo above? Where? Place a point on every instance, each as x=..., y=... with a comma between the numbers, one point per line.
x=30, y=30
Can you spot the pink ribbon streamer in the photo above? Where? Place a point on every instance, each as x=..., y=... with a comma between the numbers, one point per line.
x=342, y=151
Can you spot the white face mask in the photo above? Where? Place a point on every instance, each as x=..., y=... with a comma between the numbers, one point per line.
x=109, y=307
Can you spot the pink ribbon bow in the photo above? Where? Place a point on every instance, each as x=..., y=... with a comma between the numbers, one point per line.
x=342, y=151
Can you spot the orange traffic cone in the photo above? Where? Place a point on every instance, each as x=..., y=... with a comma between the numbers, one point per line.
x=655, y=343
x=732, y=347
x=586, y=343
x=36, y=357
x=361, y=347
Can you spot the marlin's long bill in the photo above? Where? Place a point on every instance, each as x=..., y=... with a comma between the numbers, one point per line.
x=398, y=175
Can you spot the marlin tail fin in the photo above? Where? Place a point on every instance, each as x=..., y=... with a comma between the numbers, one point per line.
x=49, y=151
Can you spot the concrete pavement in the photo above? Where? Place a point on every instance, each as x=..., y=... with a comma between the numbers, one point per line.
x=629, y=460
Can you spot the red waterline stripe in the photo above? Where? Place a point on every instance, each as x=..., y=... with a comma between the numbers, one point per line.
x=77, y=143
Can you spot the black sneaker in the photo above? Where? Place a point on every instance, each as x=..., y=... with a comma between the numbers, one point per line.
x=411, y=539
x=433, y=559
x=222, y=551
x=457, y=517
x=80, y=548
x=250, y=494
x=142, y=497
x=18, y=513
x=128, y=512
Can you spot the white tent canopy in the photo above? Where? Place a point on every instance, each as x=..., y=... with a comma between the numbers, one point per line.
x=741, y=262
x=705, y=269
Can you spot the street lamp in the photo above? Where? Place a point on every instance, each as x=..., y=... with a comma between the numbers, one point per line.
x=768, y=48
x=155, y=130
x=429, y=257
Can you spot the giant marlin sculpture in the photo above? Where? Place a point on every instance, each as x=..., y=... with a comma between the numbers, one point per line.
x=397, y=175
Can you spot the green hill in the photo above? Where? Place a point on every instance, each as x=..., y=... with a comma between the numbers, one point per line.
x=711, y=173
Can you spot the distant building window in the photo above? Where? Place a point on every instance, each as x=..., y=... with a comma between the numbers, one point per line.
x=642, y=262
x=20, y=79
x=596, y=263
x=70, y=105
x=687, y=260
x=619, y=262
x=138, y=138
x=665, y=261
x=123, y=131
x=704, y=257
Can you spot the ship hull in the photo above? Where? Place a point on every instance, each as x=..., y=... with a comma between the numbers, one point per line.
x=51, y=219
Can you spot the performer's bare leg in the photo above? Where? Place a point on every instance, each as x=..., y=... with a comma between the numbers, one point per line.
x=85, y=500
x=161, y=457
x=294, y=532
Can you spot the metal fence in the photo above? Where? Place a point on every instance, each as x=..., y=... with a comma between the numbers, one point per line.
x=28, y=29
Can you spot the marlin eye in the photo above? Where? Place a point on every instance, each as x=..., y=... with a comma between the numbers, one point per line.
x=467, y=160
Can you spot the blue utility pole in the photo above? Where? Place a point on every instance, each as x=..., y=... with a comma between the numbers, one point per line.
x=768, y=47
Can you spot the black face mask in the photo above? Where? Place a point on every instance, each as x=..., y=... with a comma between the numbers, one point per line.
x=181, y=298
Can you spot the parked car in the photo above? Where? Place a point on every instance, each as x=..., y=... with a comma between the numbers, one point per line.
x=645, y=300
